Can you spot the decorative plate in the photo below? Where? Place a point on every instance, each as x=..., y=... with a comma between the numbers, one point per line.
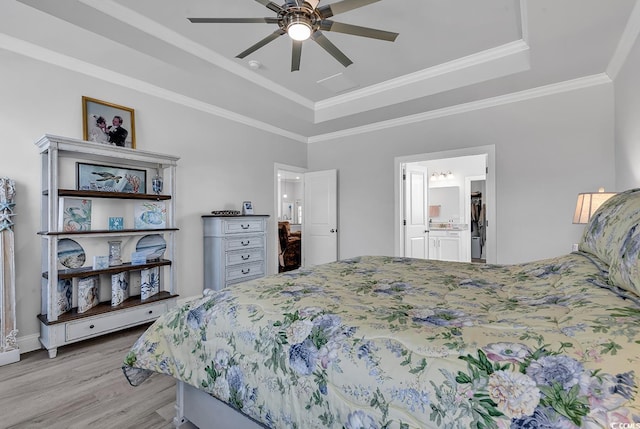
x=226, y=212
x=152, y=246
x=70, y=253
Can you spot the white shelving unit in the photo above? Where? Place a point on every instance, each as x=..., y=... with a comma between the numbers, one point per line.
x=60, y=156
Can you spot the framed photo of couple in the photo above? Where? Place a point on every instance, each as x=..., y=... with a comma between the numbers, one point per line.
x=108, y=123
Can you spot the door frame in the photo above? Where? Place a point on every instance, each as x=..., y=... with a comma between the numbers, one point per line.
x=489, y=151
x=274, y=228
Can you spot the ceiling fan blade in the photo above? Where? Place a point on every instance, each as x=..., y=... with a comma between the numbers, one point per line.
x=313, y=3
x=265, y=20
x=356, y=30
x=270, y=5
x=342, y=6
x=296, y=53
x=270, y=38
x=322, y=40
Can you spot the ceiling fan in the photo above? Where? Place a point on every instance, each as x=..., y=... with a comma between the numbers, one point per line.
x=303, y=19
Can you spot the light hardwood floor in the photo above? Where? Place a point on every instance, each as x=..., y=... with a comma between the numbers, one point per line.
x=83, y=387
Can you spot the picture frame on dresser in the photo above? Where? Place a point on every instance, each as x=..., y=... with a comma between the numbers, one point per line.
x=99, y=177
x=98, y=123
x=247, y=208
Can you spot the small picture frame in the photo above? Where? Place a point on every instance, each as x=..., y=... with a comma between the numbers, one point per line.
x=101, y=262
x=95, y=177
x=116, y=223
x=247, y=208
x=108, y=123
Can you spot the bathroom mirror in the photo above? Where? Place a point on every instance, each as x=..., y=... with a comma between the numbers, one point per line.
x=448, y=200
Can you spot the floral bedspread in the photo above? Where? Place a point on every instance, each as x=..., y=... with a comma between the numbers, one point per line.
x=382, y=342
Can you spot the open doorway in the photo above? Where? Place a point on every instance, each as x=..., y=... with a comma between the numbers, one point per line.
x=310, y=207
x=449, y=178
x=290, y=198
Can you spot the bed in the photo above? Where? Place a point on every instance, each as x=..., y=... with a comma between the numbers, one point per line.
x=388, y=342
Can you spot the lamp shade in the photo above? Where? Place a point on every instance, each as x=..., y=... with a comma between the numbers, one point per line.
x=588, y=203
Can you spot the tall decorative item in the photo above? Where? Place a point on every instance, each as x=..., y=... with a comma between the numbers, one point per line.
x=9, y=351
x=115, y=251
x=156, y=183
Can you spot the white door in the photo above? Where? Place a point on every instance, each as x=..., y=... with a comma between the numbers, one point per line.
x=416, y=216
x=320, y=225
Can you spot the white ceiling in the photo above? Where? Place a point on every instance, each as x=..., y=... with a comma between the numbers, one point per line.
x=449, y=53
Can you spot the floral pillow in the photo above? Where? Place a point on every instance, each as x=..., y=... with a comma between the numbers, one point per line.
x=613, y=235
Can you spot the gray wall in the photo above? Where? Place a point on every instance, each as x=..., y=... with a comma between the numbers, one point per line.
x=222, y=164
x=627, y=115
x=547, y=150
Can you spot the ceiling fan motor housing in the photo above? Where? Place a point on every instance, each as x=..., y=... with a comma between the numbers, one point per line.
x=293, y=14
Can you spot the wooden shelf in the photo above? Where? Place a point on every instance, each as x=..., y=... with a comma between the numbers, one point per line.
x=98, y=232
x=104, y=194
x=89, y=271
x=105, y=307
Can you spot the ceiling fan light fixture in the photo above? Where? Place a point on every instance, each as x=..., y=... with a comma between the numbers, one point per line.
x=299, y=28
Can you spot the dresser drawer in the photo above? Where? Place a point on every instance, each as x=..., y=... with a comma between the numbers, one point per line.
x=113, y=321
x=242, y=226
x=241, y=273
x=244, y=257
x=244, y=242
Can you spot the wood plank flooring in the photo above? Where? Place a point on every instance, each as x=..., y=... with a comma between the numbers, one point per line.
x=83, y=387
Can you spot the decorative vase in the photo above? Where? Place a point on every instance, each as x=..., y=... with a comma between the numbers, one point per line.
x=156, y=184
x=114, y=253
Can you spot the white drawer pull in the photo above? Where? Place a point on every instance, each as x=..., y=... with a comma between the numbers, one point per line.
x=247, y=271
x=247, y=226
x=245, y=243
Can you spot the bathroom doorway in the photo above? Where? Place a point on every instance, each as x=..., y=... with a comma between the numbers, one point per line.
x=451, y=221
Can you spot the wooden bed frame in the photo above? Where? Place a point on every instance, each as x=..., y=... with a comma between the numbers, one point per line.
x=205, y=411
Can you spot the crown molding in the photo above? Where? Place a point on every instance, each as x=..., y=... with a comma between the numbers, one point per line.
x=146, y=25
x=64, y=61
x=542, y=91
x=627, y=40
x=492, y=63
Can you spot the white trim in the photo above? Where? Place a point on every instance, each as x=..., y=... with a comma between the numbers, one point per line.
x=542, y=91
x=46, y=55
x=144, y=24
x=292, y=169
x=496, y=62
x=29, y=343
x=490, y=151
x=438, y=70
x=628, y=39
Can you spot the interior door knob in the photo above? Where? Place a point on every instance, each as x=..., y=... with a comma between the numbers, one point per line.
x=332, y=230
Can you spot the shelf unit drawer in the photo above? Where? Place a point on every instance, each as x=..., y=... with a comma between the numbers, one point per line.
x=244, y=272
x=244, y=257
x=244, y=242
x=113, y=321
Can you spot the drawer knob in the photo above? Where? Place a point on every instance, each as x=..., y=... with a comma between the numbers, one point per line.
x=150, y=311
x=245, y=257
x=245, y=226
x=247, y=271
x=91, y=326
x=245, y=243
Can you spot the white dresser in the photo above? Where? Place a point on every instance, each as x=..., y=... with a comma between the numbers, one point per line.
x=235, y=249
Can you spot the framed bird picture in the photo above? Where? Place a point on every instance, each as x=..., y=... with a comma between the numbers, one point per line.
x=105, y=178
